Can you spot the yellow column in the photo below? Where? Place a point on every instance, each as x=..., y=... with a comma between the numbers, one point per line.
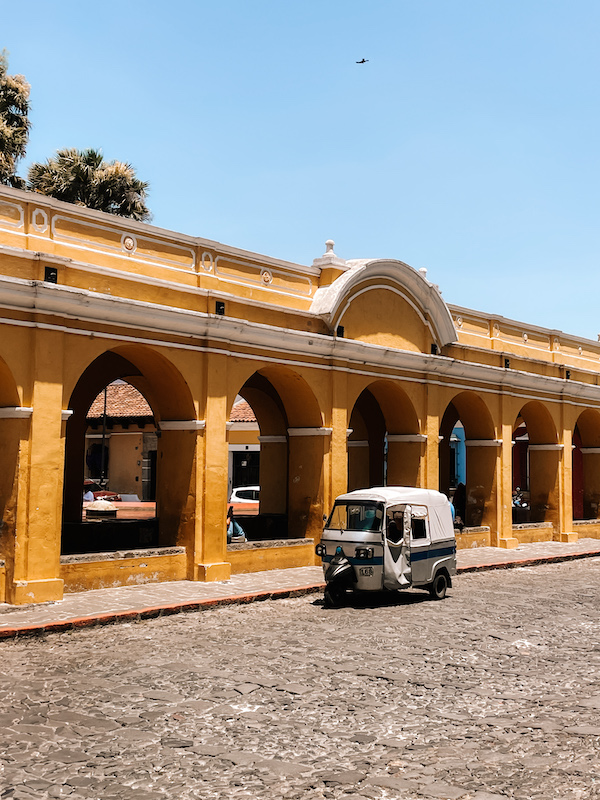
x=212, y=564
x=565, y=494
x=305, y=502
x=504, y=535
x=38, y=535
x=404, y=459
x=273, y=474
x=14, y=468
x=482, y=462
x=431, y=474
x=178, y=501
x=339, y=440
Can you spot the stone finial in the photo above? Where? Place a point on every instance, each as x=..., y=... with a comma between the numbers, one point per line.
x=329, y=258
x=423, y=272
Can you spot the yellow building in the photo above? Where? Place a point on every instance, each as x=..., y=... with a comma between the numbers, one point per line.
x=357, y=372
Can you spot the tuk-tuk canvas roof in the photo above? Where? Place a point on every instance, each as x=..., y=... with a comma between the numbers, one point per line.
x=438, y=505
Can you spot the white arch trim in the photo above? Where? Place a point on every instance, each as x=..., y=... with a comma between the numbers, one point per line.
x=329, y=300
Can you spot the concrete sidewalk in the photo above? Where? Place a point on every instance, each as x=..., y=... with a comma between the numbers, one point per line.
x=132, y=603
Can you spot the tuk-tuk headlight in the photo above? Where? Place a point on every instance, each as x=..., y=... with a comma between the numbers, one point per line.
x=364, y=552
x=320, y=550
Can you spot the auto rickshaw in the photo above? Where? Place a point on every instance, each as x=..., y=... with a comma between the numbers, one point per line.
x=388, y=538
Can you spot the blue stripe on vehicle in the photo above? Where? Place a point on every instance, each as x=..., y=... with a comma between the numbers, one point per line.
x=421, y=555
x=415, y=555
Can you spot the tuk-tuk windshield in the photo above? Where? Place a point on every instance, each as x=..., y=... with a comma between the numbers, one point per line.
x=352, y=516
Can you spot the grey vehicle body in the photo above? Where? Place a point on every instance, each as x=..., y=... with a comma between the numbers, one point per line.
x=394, y=537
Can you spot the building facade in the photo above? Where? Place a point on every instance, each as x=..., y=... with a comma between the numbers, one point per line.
x=357, y=373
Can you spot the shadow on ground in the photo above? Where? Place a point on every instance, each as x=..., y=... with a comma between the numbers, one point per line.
x=382, y=599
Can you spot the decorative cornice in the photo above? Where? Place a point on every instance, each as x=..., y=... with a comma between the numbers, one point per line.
x=406, y=437
x=15, y=412
x=310, y=431
x=182, y=425
x=326, y=352
x=272, y=439
x=483, y=442
x=546, y=447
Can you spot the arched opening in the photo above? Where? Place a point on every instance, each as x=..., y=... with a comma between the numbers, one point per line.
x=285, y=457
x=467, y=459
x=12, y=429
x=586, y=466
x=384, y=443
x=114, y=444
x=535, y=460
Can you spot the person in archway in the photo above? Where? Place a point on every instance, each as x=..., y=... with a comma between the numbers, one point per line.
x=235, y=532
x=459, y=501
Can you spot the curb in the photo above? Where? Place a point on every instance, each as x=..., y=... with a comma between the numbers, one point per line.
x=153, y=612
x=530, y=562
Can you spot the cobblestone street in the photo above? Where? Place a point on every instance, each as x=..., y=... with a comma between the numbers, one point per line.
x=494, y=692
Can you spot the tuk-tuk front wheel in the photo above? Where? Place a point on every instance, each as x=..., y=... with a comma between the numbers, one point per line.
x=334, y=597
x=438, y=588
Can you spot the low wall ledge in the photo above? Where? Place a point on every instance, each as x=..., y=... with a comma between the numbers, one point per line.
x=268, y=543
x=524, y=526
x=121, y=555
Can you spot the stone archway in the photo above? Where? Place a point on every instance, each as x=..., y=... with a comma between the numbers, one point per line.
x=170, y=400
x=384, y=444
x=586, y=466
x=467, y=459
x=536, y=457
x=293, y=444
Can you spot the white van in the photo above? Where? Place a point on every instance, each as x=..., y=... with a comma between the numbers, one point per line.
x=388, y=537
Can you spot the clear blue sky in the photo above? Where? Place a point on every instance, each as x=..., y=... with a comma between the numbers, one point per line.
x=468, y=144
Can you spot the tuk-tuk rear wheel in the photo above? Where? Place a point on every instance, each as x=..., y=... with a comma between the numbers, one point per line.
x=439, y=586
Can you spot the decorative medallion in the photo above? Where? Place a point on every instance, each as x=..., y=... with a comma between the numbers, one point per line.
x=496, y=329
x=525, y=337
x=266, y=276
x=207, y=262
x=129, y=243
x=459, y=322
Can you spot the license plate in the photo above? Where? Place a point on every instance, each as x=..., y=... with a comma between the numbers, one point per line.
x=366, y=572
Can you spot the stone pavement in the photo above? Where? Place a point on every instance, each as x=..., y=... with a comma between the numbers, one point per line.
x=492, y=694
x=131, y=603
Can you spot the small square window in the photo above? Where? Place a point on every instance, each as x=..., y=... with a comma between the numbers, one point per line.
x=419, y=529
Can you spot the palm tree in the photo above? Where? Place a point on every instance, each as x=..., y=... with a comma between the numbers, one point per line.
x=83, y=177
x=14, y=123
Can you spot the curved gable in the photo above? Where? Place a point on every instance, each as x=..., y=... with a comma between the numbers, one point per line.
x=387, y=303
